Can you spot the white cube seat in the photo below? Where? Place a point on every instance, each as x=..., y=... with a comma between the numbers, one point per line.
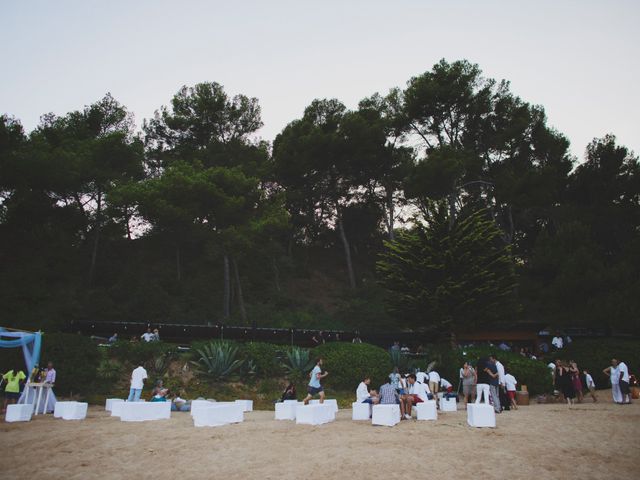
x=286, y=410
x=218, y=414
x=61, y=408
x=427, y=410
x=144, y=411
x=116, y=408
x=20, y=412
x=360, y=411
x=387, y=415
x=448, y=405
x=75, y=411
x=109, y=403
x=197, y=405
x=314, y=414
x=481, y=415
x=247, y=405
x=332, y=402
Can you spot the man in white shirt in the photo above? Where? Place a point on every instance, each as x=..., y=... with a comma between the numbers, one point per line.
x=591, y=385
x=501, y=382
x=510, y=383
x=138, y=377
x=418, y=393
x=623, y=380
x=434, y=382
x=557, y=342
x=363, y=395
x=148, y=336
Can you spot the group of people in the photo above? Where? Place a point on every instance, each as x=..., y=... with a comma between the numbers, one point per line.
x=16, y=379
x=618, y=374
x=570, y=383
x=148, y=336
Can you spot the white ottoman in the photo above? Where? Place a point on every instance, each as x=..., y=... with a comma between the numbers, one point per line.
x=387, y=415
x=20, y=412
x=448, y=405
x=286, y=410
x=427, y=410
x=116, y=408
x=62, y=408
x=360, y=411
x=481, y=415
x=76, y=411
x=109, y=403
x=196, y=405
x=247, y=405
x=314, y=414
x=332, y=402
x=145, y=411
x=218, y=414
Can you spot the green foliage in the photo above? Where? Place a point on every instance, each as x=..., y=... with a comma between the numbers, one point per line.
x=264, y=357
x=595, y=355
x=444, y=277
x=75, y=358
x=298, y=364
x=349, y=363
x=141, y=353
x=218, y=360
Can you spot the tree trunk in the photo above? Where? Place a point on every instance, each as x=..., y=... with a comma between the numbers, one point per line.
x=236, y=273
x=347, y=252
x=96, y=239
x=452, y=210
x=226, y=296
x=391, y=215
x=178, y=267
x=276, y=274
x=127, y=218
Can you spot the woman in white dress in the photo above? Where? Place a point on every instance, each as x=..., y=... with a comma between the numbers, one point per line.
x=614, y=378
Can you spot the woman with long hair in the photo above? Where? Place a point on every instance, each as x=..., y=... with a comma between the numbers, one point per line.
x=576, y=380
x=565, y=382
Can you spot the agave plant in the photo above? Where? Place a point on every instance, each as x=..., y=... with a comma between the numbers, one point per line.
x=218, y=360
x=298, y=362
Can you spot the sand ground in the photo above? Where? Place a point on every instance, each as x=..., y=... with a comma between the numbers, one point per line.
x=591, y=441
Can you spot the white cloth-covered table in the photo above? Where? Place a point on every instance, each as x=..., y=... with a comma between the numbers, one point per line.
x=448, y=405
x=247, y=405
x=360, y=411
x=387, y=415
x=71, y=410
x=332, y=402
x=427, y=410
x=109, y=403
x=481, y=415
x=286, y=410
x=217, y=414
x=19, y=412
x=196, y=405
x=314, y=414
x=144, y=411
x=41, y=396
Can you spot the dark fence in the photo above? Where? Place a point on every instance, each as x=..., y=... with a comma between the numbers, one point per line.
x=292, y=336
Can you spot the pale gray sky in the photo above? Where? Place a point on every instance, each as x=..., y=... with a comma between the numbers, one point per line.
x=579, y=59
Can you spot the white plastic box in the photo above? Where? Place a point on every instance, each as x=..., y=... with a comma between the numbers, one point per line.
x=481, y=415
x=427, y=410
x=387, y=415
x=109, y=403
x=448, y=405
x=145, y=411
x=218, y=414
x=20, y=412
x=360, y=411
x=314, y=414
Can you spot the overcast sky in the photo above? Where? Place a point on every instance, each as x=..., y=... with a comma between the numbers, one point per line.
x=579, y=59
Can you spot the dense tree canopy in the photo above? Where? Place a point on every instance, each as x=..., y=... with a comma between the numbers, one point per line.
x=456, y=188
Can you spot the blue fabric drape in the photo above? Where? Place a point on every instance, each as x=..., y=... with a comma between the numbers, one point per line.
x=30, y=343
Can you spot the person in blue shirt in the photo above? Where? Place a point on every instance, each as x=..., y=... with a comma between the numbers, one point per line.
x=315, y=388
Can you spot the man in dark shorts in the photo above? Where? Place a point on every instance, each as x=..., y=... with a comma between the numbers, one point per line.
x=315, y=388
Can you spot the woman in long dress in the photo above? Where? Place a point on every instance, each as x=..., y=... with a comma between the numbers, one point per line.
x=576, y=380
x=565, y=382
x=614, y=376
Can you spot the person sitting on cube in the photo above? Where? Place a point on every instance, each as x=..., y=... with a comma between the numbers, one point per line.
x=363, y=395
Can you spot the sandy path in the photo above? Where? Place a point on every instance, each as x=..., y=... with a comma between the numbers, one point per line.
x=599, y=441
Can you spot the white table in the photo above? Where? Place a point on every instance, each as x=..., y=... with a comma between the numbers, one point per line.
x=314, y=414
x=144, y=411
x=33, y=394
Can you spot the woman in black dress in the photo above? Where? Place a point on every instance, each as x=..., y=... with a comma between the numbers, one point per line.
x=565, y=382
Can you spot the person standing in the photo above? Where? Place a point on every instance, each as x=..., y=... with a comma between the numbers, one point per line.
x=494, y=384
x=614, y=377
x=148, y=336
x=557, y=342
x=502, y=393
x=591, y=385
x=315, y=388
x=50, y=374
x=394, y=379
x=12, y=389
x=138, y=376
x=565, y=382
x=468, y=379
x=623, y=381
x=483, y=380
x=575, y=379
x=434, y=382
x=510, y=384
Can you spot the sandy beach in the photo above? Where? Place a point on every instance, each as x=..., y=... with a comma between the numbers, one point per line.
x=591, y=441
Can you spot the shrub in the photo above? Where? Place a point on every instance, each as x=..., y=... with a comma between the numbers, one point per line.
x=144, y=353
x=218, y=360
x=75, y=358
x=264, y=356
x=596, y=354
x=348, y=363
x=297, y=364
